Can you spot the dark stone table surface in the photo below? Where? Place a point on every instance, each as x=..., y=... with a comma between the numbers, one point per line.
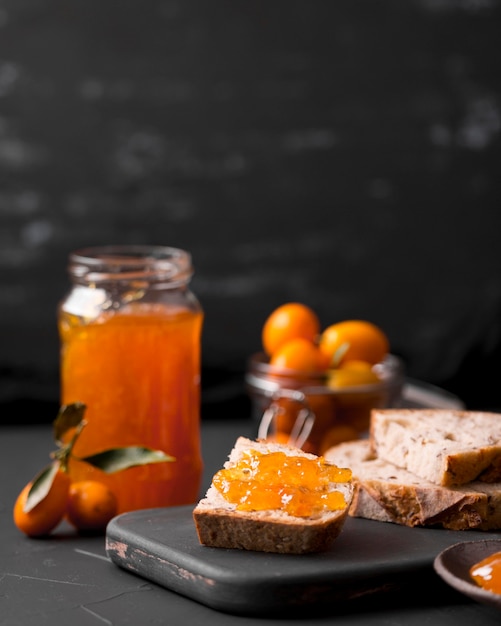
x=68, y=579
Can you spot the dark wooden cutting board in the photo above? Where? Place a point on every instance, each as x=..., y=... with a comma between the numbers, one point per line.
x=368, y=558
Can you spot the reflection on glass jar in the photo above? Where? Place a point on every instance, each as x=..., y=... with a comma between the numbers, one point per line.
x=130, y=331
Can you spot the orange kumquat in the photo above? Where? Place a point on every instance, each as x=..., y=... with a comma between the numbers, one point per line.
x=91, y=505
x=46, y=515
x=289, y=321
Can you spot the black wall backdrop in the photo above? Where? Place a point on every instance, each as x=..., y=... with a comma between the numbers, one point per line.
x=343, y=153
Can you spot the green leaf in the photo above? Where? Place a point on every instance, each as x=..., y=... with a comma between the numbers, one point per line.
x=116, y=459
x=69, y=416
x=41, y=486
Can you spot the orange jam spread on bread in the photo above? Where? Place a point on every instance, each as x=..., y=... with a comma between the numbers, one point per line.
x=298, y=485
x=487, y=573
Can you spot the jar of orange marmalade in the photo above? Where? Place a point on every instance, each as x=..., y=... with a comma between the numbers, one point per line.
x=130, y=331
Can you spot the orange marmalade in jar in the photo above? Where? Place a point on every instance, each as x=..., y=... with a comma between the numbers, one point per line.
x=130, y=331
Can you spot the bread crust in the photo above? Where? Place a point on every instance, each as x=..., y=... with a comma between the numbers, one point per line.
x=229, y=529
x=219, y=524
x=385, y=492
x=446, y=447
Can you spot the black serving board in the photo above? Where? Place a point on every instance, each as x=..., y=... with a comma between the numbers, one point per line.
x=367, y=558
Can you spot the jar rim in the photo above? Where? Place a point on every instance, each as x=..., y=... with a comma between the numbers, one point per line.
x=130, y=261
x=261, y=377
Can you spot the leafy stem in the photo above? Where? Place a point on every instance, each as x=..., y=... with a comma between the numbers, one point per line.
x=70, y=421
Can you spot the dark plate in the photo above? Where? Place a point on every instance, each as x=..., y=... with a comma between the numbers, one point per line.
x=367, y=558
x=453, y=565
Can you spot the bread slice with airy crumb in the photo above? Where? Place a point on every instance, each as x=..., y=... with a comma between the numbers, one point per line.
x=446, y=447
x=387, y=493
x=220, y=524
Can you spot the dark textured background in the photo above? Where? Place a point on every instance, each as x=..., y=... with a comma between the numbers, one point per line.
x=342, y=153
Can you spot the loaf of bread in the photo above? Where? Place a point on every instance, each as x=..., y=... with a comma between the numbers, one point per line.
x=220, y=523
x=387, y=493
x=445, y=447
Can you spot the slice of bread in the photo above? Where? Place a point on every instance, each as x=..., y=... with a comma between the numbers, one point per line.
x=446, y=447
x=387, y=493
x=219, y=524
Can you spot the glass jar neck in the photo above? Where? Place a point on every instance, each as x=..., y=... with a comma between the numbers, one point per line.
x=152, y=265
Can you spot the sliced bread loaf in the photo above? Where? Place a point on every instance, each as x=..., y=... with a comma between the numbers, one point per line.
x=222, y=524
x=388, y=493
x=446, y=447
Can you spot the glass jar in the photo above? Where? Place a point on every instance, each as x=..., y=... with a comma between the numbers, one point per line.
x=340, y=413
x=130, y=332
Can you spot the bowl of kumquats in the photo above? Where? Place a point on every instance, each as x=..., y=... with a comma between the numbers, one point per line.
x=342, y=371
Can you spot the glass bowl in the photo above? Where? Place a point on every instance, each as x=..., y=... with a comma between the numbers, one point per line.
x=340, y=413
